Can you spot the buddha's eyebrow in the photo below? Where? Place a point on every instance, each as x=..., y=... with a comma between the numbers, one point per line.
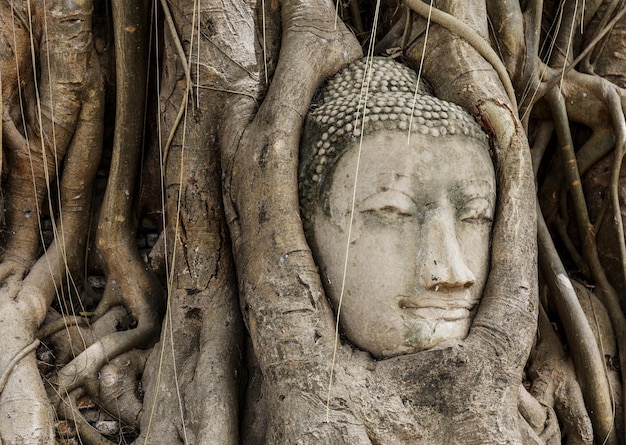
x=382, y=182
x=387, y=189
x=389, y=180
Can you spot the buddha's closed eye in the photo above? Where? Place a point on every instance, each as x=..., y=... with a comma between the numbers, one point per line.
x=390, y=210
x=388, y=203
x=477, y=210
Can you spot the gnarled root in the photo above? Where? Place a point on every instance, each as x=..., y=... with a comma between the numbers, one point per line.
x=66, y=128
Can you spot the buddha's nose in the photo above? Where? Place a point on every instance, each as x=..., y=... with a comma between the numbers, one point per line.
x=440, y=256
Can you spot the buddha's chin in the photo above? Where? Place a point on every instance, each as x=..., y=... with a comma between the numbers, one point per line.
x=415, y=334
x=426, y=334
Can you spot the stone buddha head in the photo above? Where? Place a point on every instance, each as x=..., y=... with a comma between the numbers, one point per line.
x=409, y=179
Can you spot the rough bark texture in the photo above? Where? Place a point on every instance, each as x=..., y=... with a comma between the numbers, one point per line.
x=201, y=147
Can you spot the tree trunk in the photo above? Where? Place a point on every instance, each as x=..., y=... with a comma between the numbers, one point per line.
x=166, y=293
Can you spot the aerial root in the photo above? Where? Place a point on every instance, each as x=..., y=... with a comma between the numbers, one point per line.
x=456, y=26
x=608, y=295
x=119, y=383
x=15, y=360
x=61, y=323
x=619, y=124
x=83, y=370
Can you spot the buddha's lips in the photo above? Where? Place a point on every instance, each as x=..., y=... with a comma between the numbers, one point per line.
x=448, y=309
x=434, y=313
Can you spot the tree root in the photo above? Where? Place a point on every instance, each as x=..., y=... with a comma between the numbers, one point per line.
x=64, y=126
x=74, y=339
x=554, y=384
x=608, y=294
x=86, y=432
x=312, y=49
x=185, y=65
x=23, y=353
x=119, y=386
x=619, y=125
x=83, y=370
x=459, y=28
x=61, y=323
x=583, y=346
x=542, y=424
x=128, y=279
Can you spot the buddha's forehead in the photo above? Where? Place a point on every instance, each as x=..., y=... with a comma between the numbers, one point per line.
x=393, y=161
x=397, y=154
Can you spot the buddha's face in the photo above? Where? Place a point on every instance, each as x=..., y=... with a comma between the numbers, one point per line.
x=418, y=256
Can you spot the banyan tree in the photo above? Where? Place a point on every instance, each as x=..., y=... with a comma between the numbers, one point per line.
x=312, y=222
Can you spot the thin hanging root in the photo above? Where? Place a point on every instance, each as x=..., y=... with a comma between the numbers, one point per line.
x=584, y=58
x=180, y=52
x=550, y=83
x=608, y=295
x=457, y=27
x=14, y=361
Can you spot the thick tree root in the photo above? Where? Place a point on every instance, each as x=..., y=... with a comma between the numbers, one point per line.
x=63, y=123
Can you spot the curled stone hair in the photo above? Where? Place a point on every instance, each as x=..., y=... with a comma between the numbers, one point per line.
x=370, y=95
